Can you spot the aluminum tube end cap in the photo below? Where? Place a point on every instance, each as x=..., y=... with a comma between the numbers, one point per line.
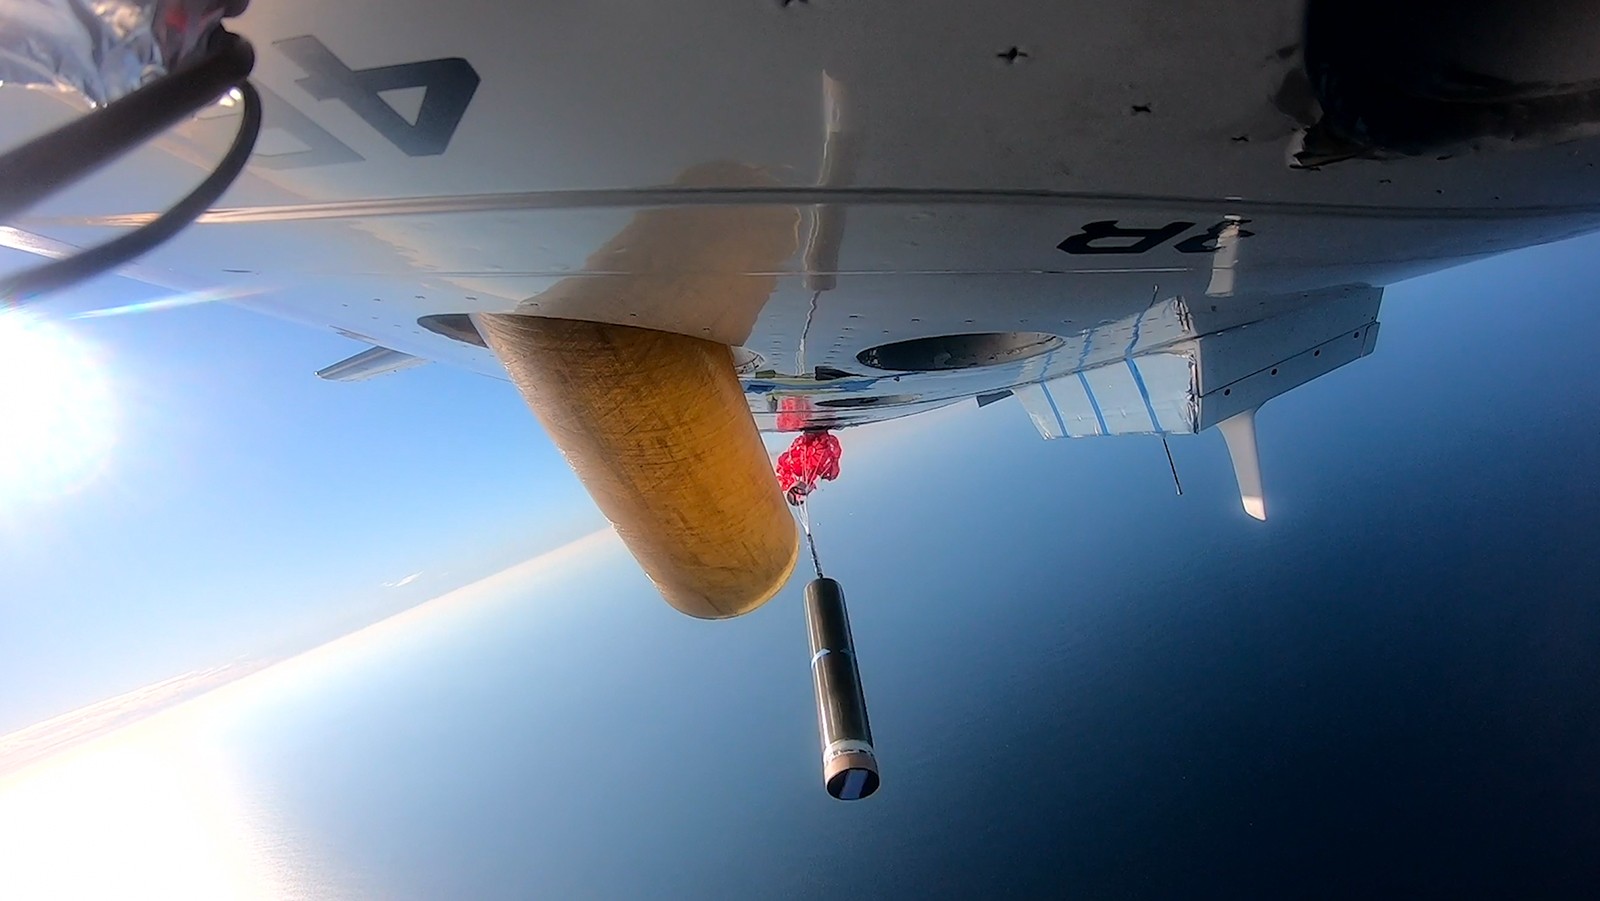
x=852, y=775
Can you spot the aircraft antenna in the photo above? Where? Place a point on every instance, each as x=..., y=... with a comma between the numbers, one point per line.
x=811, y=313
x=1170, y=465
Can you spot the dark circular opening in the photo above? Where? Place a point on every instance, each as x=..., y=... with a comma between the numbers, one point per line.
x=946, y=352
x=867, y=783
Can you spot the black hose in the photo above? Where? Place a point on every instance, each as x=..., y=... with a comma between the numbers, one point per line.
x=118, y=251
x=51, y=162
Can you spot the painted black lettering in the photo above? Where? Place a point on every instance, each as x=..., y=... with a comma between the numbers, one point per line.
x=1106, y=236
x=319, y=147
x=1206, y=242
x=449, y=84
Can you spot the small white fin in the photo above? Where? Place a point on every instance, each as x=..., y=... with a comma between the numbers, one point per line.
x=1239, y=431
x=374, y=361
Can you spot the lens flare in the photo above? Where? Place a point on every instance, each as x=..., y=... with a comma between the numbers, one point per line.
x=56, y=424
x=171, y=302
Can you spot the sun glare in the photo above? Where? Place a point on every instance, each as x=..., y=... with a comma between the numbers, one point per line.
x=55, y=409
x=154, y=812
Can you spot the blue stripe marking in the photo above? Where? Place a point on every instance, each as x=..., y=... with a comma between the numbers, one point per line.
x=1138, y=379
x=1138, y=322
x=1044, y=373
x=1060, y=423
x=1095, y=404
x=1083, y=353
x=1044, y=368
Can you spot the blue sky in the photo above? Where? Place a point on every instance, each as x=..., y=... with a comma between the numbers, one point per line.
x=247, y=506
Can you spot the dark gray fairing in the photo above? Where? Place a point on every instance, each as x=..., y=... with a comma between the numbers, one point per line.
x=457, y=326
x=1416, y=77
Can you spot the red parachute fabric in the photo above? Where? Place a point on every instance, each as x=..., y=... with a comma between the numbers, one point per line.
x=794, y=413
x=813, y=456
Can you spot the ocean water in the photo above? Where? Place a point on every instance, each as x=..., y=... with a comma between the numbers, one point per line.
x=1081, y=685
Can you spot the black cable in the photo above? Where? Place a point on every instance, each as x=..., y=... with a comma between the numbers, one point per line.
x=114, y=253
x=53, y=161
x=50, y=162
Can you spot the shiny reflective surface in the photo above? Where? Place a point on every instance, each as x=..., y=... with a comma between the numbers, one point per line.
x=157, y=812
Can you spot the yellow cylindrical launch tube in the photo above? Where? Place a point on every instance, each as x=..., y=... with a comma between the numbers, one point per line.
x=657, y=427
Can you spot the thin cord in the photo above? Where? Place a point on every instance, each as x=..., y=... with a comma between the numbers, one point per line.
x=811, y=541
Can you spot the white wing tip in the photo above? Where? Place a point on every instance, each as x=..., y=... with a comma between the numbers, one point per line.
x=1255, y=505
x=1239, y=432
